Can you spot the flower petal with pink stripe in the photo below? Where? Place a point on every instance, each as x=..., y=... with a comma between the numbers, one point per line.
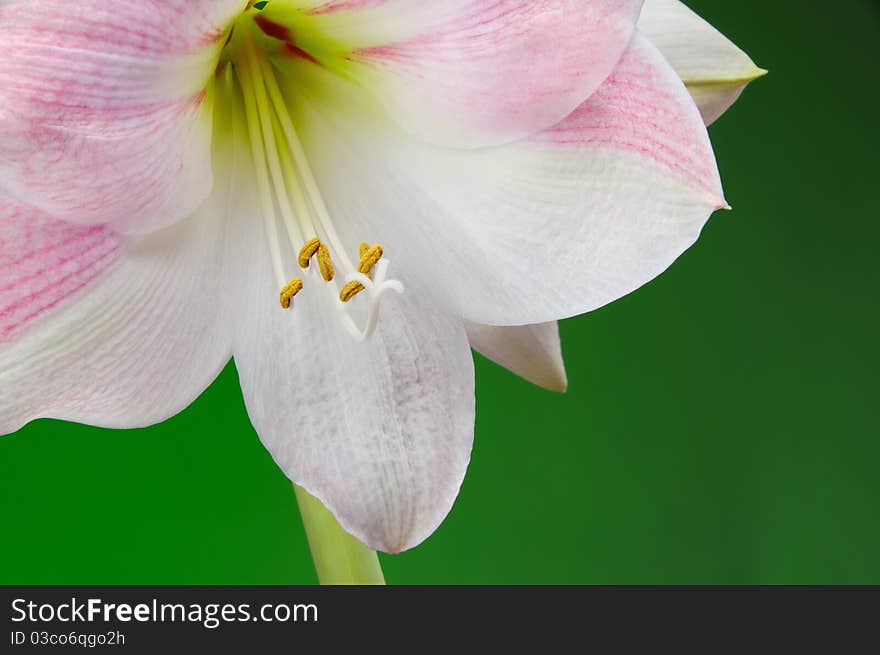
x=102, y=117
x=104, y=332
x=471, y=73
x=44, y=261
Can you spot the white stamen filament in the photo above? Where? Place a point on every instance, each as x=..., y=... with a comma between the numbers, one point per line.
x=376, y=288
x=259, y=159
x=274, y=159
x=302, y=164
x=281, y=165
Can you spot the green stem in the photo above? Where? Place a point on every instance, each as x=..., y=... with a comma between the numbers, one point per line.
x=339, y=558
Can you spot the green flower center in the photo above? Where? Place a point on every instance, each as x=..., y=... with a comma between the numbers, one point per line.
x=286, y=34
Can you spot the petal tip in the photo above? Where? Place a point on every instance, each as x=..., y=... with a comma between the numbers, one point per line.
x=374, y=531
x=747, y=78
x=550, y=376
x=557, y=383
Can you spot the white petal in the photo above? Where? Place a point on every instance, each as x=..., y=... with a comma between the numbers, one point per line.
x=126, y=348
x=531, y=351
x=714, y=69
x=542, y=229
x=381, y=431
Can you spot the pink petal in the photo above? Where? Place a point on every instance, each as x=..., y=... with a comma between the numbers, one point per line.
x=102, y=117
x=474, y=73
x=44, y=262
x=640, y=110
x=103, y=332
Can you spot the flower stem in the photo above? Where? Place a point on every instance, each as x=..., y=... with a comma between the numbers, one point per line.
x=339, y=558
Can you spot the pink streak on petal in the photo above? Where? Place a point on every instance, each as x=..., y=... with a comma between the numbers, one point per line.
x=640, y=109
x=45, y=262
x=273, y=29
x=113, y=170
x=100, y=117
x=285, y=34
x=295, y=51
x=334, y=6
x=486, y=73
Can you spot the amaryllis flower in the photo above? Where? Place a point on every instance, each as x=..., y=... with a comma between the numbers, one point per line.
x=338, y=194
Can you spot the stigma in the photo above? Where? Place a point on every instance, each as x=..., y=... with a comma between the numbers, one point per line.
x=303, y=244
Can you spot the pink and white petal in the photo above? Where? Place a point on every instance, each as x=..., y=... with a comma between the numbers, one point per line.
x=714, y=69
x=100, y=329
x=533, y=352
x=104, y=117
x=44, y=262
x=134, y=174
x=473, y=73
x=553, y=226
x=380, y=432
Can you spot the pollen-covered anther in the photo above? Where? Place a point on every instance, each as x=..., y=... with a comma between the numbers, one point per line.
x=350, y=290
x=370, y=256
x=314, y=248
x=289, y=291
x=306, y=252
x=325, y=264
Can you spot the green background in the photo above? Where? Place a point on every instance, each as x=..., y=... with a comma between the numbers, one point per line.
x=721, y=424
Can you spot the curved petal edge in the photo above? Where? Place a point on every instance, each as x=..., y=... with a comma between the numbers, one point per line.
x=533, y=352
x=712, y=67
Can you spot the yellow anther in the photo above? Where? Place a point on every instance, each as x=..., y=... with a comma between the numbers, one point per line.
x=289, y=291
x=350, y=290
x=325, y=264
x=369, y=257
x=306, y=252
